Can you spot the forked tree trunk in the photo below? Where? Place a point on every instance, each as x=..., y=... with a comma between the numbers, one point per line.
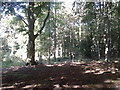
x=31, y=37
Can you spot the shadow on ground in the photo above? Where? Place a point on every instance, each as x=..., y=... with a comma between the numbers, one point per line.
x=62, y=76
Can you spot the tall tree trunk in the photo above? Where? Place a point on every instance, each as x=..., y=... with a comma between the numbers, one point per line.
x=63, y=49
x=55, y=40
x=49, y=54
x=54, y=52
x=49, y=49
x=118, y=30
x=31, y=37
x=109, y=29
x=108, y=32
x=99, y=30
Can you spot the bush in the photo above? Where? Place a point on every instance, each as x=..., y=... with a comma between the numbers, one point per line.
x=12, y=61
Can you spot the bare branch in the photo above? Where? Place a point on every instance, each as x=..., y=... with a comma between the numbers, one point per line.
x=24, y=22
x=21, y=18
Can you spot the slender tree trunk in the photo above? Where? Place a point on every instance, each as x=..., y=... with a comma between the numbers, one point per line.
x=90, y=45
x=109, y=29
x=55, y=40
x=49, y=49
x=118, y=30
x=108, y=32
x=40, y=57
x=54, y=45
x=63, y=47
x=99, y=30
x=49, y=54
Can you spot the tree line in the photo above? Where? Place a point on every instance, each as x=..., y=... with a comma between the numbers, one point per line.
x=87, y=30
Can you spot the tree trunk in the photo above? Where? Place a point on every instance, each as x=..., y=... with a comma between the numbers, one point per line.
x=31, y=50
x=55, y=38
x=31, y=37
x=118, y=52
x=108, y=32
x=49, y=50
x=106, y=36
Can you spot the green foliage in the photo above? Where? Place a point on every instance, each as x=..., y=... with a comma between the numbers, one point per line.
x=93, y=33
x=12, y=61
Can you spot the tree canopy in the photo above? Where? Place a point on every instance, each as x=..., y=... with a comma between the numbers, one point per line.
x=56, y=32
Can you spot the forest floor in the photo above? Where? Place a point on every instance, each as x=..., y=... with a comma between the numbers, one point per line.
x=69, y=76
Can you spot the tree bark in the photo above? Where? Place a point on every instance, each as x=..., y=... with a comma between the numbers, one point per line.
x=118, y=52
x=31, y=37
x=108, y=32
x=55, y=35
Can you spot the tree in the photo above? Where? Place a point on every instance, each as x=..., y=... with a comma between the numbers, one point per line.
x=32, y=11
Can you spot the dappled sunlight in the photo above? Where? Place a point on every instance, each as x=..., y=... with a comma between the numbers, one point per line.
x=59, y=65
x=8, y=87
x=63, y=76
x=116, y=61
x=57, y=87
x=60, y=45
x=89, y=71
x=72, y=86
x=76, y=86
x=108, y=81
x=49, y=65
x=15, y=68
x=30, y=86
x=95, y=86
x=66, y=86
x=18, y=83
x=116, y=81
x=51, y=78
x=99, y=72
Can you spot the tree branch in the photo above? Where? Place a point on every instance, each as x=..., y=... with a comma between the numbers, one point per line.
x=40, y=31
x=24, y=22
x=19, y=16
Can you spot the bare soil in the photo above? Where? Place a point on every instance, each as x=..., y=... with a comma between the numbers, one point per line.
x=68, y=76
